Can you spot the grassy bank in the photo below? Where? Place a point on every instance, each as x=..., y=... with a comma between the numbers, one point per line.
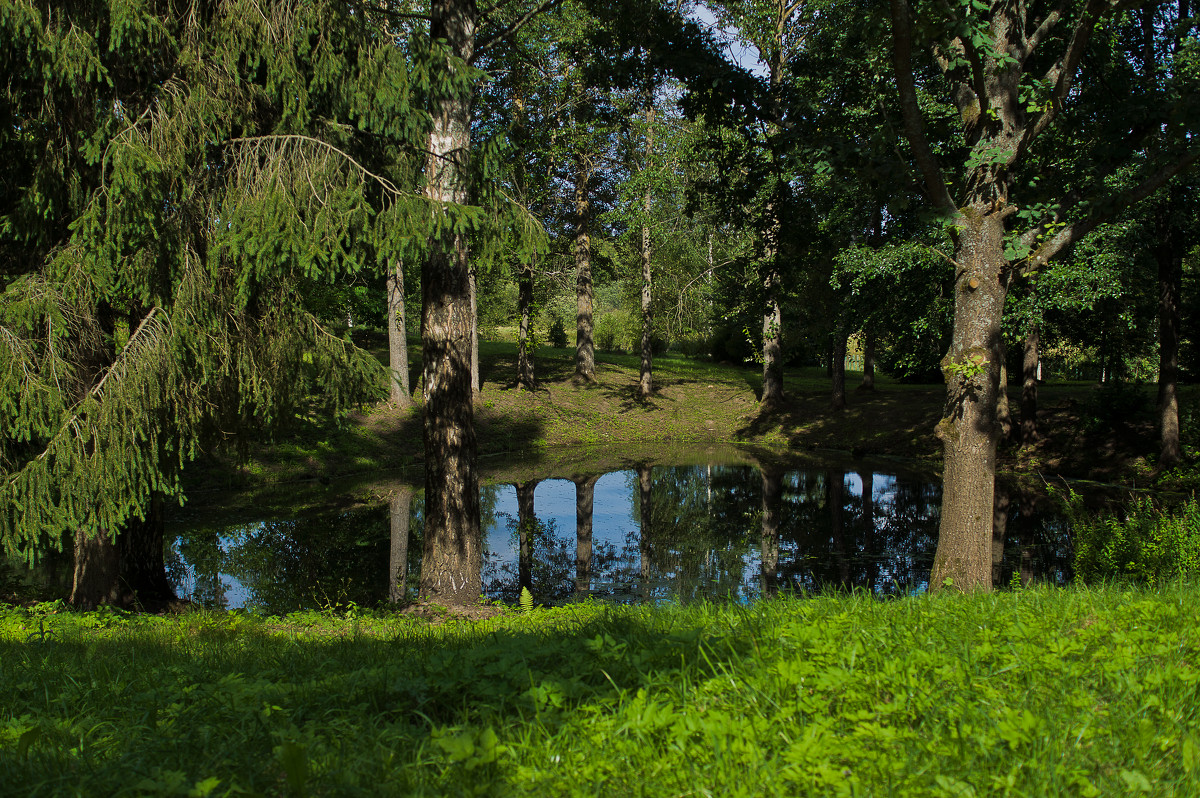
x=1038, y=692
x=699, y=404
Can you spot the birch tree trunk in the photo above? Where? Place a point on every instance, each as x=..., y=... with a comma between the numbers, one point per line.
x=453, y=548
x=646, y=383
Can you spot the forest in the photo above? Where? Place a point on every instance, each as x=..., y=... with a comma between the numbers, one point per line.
x=209, y=207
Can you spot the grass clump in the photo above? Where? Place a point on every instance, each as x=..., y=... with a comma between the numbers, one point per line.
x=1040, y=692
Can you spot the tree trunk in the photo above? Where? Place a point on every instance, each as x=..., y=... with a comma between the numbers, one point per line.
x=585, y=350
x=1003, y=414
x=646, y=384
x=399, y=513
x=97, y=572
x=868, y=378
x=772, y=500
x=772, y=394
x=1029, y=381
x=452, y=558
x=141, y=547
x=644, y=526
x=400, y=393
x=999, y=531
x=476, y=377
x=838, y=362
x=526, y=529
x=525, y=379
x=1169, y=254
x=585, y=495
x=968, y=429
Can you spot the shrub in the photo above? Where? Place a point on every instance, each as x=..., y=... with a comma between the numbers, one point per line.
x=1145, y=542
x=617, y=331
x=557, y=334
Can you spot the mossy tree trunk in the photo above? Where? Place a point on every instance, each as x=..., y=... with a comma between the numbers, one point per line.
x=969, y=429
x=453, y=548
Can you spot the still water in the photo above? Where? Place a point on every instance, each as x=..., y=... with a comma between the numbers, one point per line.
x=719, y=531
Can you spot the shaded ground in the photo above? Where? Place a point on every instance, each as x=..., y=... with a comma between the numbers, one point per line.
x=698, y=405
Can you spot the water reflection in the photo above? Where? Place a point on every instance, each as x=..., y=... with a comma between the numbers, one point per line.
x=713, y=531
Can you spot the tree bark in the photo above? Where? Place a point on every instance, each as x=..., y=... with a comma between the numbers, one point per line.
x=526, y=529
x=476, y=377
x=968, y=430
x=772, y=500
x=525, y=377
x=585, y=496
x=399, y=516
x=999, y=532
x=585, y=350
x=838, y=362
x=1003, y=413
x=400, y=392
x=646, y=383
x=452, y=558
x=868, y=377
x=97, y=574
x=141, y=546
x=772, y=333
x=1029, y=386
x=1169, y=254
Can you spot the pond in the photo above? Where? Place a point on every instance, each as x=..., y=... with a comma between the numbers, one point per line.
x=725, y=525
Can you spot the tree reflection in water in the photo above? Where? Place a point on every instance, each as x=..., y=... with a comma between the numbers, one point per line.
x=648, y=533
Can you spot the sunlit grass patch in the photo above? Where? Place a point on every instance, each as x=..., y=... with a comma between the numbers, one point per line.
x=1078, y=692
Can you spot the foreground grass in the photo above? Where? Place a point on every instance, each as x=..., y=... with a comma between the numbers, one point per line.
x=1040, y=692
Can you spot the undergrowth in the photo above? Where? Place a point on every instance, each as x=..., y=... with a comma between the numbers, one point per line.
x=1143, y=541
x=1035, y=692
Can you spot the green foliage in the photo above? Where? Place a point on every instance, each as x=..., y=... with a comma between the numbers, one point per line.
x=1146, y=541
x=823, y=696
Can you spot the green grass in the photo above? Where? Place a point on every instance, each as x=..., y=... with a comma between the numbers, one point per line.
x=1035, y=692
